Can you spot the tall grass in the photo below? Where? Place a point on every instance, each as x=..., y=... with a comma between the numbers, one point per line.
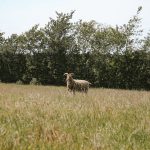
x=47, y=117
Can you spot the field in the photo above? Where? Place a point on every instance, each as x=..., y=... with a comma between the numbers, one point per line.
x=47, y=117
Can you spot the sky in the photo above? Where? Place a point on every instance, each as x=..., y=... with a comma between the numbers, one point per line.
x=18, y=16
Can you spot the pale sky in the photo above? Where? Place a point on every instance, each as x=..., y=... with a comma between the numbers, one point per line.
x=18, y=16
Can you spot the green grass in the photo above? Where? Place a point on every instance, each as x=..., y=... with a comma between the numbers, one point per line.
x=47, y=117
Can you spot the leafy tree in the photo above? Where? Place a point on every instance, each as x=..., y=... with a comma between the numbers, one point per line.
x=58, y=38
x=114, y=57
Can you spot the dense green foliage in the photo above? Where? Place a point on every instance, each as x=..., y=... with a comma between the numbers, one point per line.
x=115, y=57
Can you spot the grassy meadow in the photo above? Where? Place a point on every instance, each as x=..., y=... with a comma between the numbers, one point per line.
x=47, y=117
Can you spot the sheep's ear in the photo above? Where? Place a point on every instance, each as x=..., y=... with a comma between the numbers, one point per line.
x=65, y=74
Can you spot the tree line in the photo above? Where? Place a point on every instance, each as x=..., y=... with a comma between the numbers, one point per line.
x=113, y=57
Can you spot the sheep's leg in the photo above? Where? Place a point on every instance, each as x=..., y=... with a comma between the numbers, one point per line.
x=85, y=91
x=73, y=92
x=69, y=91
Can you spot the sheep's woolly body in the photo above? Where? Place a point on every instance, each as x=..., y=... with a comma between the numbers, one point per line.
x=81, y=85
x=76, y=85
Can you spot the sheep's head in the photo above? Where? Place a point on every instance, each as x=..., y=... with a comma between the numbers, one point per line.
x=68, y=76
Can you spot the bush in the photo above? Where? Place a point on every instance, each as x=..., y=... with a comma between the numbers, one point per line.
x=19, y=82
x=34, y=81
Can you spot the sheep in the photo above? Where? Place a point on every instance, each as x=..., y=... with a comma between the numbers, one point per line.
x=76, y=85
